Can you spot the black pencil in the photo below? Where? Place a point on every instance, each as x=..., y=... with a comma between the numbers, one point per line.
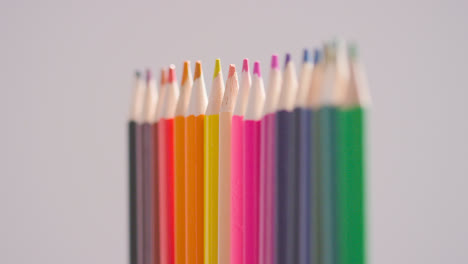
x=135, y=173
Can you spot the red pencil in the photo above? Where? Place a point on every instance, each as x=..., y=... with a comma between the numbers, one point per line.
x=166, y=169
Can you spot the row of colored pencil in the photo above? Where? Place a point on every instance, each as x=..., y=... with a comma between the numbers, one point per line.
x=250, y=176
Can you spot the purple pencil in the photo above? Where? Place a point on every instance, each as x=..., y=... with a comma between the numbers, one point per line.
x=267, y=166
x=149, y=110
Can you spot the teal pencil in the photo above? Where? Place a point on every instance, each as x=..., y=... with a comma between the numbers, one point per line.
x=313, y=105
x=334, y=83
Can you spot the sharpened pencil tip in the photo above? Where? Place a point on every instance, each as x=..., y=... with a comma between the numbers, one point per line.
x=274, y=62
x=245, y=65
x=232, y=70
x=185, y=73
x=353, y=51
x=306, y=56
x=217, y=68
x=148, y=75
x=172, y=75
x=257, y=69
x=163, y=77
x=317, y=56
x=288, y=58
x=198, y=70
x=137, y=74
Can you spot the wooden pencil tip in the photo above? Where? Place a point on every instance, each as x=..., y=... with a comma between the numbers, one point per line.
x=217, y=68
x=185, y=73
x=172, y=75
x=198, y=70
x=163, y=77
x=232, y=70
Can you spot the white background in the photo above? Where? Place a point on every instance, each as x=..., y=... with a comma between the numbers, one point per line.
x=66, y=72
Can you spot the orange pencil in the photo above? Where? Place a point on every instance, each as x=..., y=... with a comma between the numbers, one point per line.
x=194, y=168
x=179, y=164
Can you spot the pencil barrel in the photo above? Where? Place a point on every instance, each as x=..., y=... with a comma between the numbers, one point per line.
x=287, y=195
x=224, y=191
x=211, y=170
x=251, y=190
x=351, y=195
x=132, y=193
x=237, y=185
x=179, y=189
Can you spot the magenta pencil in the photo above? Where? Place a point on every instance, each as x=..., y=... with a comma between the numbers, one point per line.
x=267, y=166
x=251, y=156
x=237, y=211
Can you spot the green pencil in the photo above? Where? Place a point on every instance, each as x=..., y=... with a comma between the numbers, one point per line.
x=351, y=117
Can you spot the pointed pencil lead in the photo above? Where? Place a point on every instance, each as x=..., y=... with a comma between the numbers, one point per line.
x=198, y=70
x=137, y=74
x=163, y=77
x=217, y=68
x=274, y=62
x=148, y=75
x=353, y=51
x=172, y=75
x=288, y=58
x=306, y=56
x=232, y=70
x=245, y=65
x=257, y=69
x=317, y=56
x=185, y=73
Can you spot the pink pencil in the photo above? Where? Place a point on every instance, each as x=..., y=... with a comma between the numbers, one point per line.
x=237, y=216
x=267, y=166
x=251, y=153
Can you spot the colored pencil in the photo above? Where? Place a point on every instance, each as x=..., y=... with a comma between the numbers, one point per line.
x=351, y=167
x=250, y=176
x=135, y=171
x=286, y=178
x=302, y=154
x=224, y=190
x=179, y=168
x=151, y=99
x=312, y=106
x=267, y=166
x=166, y=172
x=211, y=168
x=251, y=155
x=237, y=168
x=194, y=168
x=335, y=80
x=157, y=115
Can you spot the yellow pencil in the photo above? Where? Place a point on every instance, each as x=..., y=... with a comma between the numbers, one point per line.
x=211, y=149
